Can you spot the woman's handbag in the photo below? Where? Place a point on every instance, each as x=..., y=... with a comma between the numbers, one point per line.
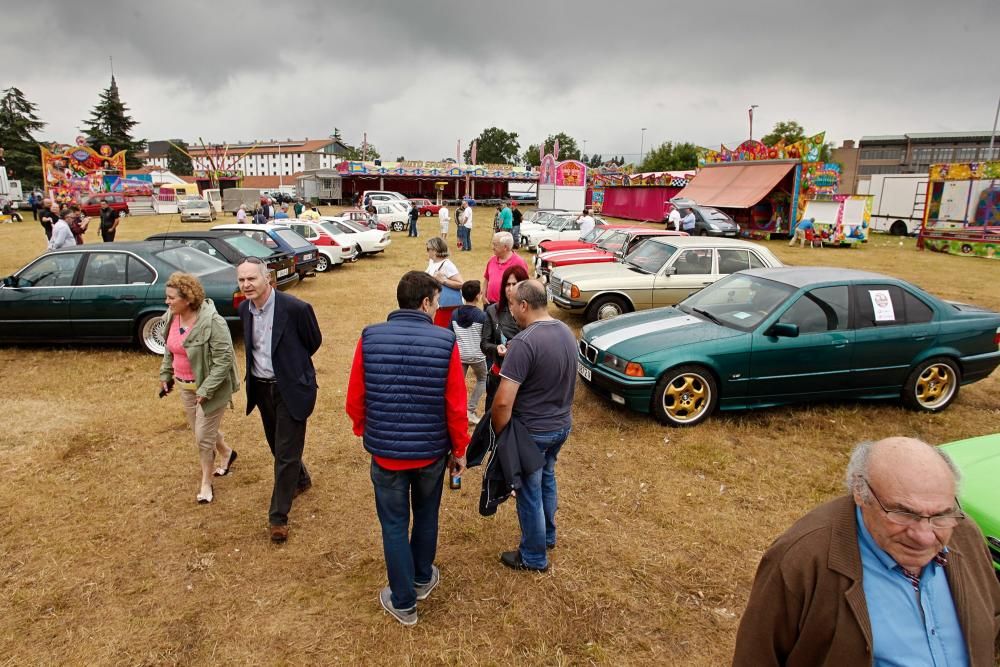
x=450, y=297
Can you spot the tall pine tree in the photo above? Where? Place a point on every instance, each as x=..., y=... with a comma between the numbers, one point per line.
x=17, y=122
x=110, y=124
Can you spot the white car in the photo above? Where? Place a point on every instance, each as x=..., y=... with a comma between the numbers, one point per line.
x=333, y=245
x=365, y=241
x=386, y=195
x=564, y=228
x=544, y=220
x=393, y=214
x=196, y=210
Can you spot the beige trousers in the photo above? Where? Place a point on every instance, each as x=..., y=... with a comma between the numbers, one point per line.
x=206, y=427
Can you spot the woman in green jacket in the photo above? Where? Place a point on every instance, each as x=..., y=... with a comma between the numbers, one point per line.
x=199, y=359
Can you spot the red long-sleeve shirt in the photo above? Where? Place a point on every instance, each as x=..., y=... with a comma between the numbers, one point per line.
x=454, y=409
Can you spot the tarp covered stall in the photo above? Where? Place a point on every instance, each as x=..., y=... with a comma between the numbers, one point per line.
x=761, y=196
x=638, y=203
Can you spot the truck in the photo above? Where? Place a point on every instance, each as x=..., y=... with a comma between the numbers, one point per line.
x=233, y=198
x=214, y=197
x=899, y=201
x=11, y=190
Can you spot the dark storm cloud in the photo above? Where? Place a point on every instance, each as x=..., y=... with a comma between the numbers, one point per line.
x=417, y=73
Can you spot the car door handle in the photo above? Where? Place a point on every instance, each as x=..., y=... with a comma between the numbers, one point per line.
x=840, y=343
x=707, y=282
x=127, y=297
x=56, y=299
x=921, y=337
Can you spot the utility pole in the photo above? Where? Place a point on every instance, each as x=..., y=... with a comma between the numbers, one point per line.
x=750, y=112
x=642, y=145
x=993, y=134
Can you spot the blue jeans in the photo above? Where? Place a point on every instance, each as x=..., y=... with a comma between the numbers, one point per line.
x=408, y=558
x=413, y=227
x=465, y=236
x=537, y=503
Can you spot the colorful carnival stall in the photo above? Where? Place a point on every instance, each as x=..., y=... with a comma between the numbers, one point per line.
x=74, y=172
x=561, y=184
x=839, y=219
x=763, y=187
x=962, y=215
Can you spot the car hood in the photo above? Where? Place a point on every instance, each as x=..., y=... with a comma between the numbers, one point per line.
x=635, y=335
x=557, y=255
x=979, y=461
x=561, y=246
x=581, y=257
x=609, y=274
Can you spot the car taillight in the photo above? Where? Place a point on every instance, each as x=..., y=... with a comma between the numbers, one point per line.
x=996, y=338
x=238, y=298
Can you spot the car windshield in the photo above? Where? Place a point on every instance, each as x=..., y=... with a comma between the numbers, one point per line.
x=195, y=203
x=738, y=301
x=613, y=242
x=650, y=257
x=331, y=228
x=595, y=235
x=552, y=221
x=714, y=215
x=190, y=260
x=292, y=239
x=248, y=247
x=357, y=227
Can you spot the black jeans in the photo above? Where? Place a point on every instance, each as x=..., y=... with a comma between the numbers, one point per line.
x=286, y=437
x=108, y=235
x=408, y=557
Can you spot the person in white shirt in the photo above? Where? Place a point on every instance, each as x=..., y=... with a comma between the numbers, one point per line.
x=445, y=217
x=674, y=219
x=241, y=215
x=62, y=235
x=586, y=222
x=465, y=226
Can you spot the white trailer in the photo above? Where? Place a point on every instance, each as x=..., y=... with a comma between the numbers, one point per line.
x=898, y=207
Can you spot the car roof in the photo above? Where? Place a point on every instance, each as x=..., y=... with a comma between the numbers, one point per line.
x=704, y=242
x=203, y=234
x=244, y=227
x=146, y=246
x=801, y=276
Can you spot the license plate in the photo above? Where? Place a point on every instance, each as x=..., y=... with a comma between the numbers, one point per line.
x=306, y=257
x=583, y=371
x=283, y=272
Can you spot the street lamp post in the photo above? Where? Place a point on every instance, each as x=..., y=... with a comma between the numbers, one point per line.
x=642, y=145
x=750, y=112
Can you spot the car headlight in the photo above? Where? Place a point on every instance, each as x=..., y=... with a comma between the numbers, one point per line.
x=630, y=368
x=570, y=290
x=713, y=227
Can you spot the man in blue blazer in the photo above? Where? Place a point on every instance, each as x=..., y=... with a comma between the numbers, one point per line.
x=281, y=334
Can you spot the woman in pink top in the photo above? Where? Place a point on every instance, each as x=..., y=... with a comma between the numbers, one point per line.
x=199, y=359
x=503, y=258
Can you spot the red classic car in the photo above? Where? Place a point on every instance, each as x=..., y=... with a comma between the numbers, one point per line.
x=425, y=207
x=92, y=205
x=592, y=238
x=361, y=217
x=609, y=248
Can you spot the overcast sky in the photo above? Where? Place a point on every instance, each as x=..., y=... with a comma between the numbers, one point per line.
x=417, y=75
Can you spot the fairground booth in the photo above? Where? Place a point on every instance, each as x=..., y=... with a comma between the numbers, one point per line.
x=74, y=173
x=422, y=179
x=646, y=196
x=962, y=215
x=764, y=187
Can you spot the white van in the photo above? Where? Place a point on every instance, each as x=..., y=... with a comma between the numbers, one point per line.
x=385, y=196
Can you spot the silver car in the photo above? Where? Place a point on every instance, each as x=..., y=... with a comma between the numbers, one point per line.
x=660, y=272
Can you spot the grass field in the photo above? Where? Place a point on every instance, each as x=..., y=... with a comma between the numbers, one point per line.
x=105, y=558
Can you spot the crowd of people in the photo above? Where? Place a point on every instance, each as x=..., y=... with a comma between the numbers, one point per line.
x=65, y=224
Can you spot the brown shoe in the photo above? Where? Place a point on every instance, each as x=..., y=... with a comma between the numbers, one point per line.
x=299, y=490
x=279, y=533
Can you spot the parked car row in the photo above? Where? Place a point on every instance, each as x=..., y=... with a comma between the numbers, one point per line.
x=114, y=292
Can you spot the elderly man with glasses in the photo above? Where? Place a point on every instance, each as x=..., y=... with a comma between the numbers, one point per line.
x=890, y=574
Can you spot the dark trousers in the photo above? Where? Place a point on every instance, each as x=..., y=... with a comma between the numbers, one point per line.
x=34, y=212
x=408, y=557
x=47, y=226
x=108, y=236
x=413, y=227
x=286, y=437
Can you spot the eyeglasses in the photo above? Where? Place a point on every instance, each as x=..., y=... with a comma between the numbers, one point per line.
x=254, y=260
x=904, y=518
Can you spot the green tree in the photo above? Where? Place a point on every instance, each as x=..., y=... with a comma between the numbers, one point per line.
x=568, y=150
x=110, y=124
x=494, y=146
x=789, y=130
x=178, y=161
x=669, y=156
x=356, y=154
x=594, y=161
x=17, y=123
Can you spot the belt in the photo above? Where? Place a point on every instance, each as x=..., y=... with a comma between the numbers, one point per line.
x=184, y=381
x=265, y=380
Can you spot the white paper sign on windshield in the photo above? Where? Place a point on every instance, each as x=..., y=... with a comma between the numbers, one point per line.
x=882, y=304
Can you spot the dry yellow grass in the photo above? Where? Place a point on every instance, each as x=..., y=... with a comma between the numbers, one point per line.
x=106, y=559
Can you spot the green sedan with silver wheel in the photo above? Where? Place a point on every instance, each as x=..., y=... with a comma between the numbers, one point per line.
x=768, y=337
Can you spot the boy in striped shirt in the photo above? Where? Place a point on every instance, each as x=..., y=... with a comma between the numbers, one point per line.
x=467, y=322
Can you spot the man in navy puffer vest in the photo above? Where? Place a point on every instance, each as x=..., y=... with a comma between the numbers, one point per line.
x=406, y=398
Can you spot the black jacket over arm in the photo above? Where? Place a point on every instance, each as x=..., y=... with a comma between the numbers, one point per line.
x=513, y=456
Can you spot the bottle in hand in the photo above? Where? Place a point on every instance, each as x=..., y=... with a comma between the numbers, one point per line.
x=454, y=481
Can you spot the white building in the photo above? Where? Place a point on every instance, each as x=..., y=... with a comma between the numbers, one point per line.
x=265, y=158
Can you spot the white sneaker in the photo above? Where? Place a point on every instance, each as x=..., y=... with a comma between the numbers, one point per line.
x=473, y=419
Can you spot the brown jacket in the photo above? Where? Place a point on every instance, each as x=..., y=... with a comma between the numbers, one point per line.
x=807, y=606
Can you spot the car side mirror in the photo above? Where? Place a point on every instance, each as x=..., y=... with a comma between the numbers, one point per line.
x=10, y=281
x=784, y=329
x=670, y=270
